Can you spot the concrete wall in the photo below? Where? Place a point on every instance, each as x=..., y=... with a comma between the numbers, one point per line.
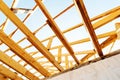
x=107, y=69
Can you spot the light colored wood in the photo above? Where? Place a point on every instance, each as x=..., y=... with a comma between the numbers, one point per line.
x=2, y=77
x=22, y=54
x=16, y=66
x=113, y=13
x=107, y=19
x=54, y=18
x=86, y=20
x=103, y=45
x=56, y=30
x=59, y=55
x=108, y=41
x=49, y=43
x=107, y=34
x=117, y=25
x=97, y=21
x=97, y=24
x=66, y=62
x=6, y=72
x=29, y=35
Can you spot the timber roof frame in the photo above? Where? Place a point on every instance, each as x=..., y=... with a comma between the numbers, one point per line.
x=51, y=63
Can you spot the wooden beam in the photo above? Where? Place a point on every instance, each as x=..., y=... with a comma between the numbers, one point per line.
x=86, y=39
x=6, y=72
x=117, y=25
x=103, y=45
x=66, y=62
x=56, y=30
x=2, y=77
x=59, y=55
x=108, y=41
x=16, y=66
x=107, y=19
x=5, y=9
x=22, y=54
x=49, y=43
x=80, y=5
x=113, y=14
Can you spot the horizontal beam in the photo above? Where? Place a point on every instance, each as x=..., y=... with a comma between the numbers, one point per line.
x=16, y=66
x=6, y=72
x=5, y=9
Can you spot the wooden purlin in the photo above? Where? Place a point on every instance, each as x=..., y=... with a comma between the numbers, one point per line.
x=6, y=72
x=29, y=35
x=86, y=39
x=80, y=5
x=56, y=30
x=16, y=66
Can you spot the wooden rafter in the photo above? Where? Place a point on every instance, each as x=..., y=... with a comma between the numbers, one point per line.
x=29, y=34
x=6, y=72
x=16, y=66
x=56, y=30
x=80, y=5
x=21, y=53
x=113, y=14
x=31, y=63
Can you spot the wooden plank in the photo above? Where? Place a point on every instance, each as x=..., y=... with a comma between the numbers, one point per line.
x=5, y=9
x=6, y=72
x=80, y=5
x=56, y=29
x=22, y=54
x=16, y=66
